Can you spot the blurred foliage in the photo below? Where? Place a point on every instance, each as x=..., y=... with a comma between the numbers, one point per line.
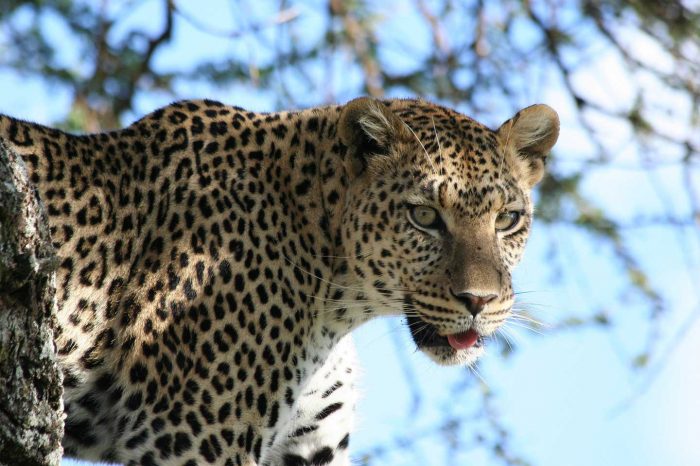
x=484, y=58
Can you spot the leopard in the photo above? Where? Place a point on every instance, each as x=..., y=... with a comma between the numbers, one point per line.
x=213, y=262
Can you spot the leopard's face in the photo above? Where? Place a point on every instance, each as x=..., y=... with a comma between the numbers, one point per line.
x=433, y=225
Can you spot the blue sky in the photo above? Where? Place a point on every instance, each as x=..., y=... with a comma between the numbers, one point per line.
x=568, y=397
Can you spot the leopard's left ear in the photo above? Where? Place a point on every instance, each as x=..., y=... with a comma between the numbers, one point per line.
x=527, y=139
x=368, y=128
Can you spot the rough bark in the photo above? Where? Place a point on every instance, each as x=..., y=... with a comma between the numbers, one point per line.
x=31, y=407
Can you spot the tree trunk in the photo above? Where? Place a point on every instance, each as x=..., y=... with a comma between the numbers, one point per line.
x=31, y=407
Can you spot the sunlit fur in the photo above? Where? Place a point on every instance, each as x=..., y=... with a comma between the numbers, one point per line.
x=213, y=261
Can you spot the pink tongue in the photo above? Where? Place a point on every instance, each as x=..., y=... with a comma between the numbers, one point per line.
x=463, y=340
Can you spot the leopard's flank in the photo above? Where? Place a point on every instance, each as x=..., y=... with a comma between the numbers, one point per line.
x=214, y=260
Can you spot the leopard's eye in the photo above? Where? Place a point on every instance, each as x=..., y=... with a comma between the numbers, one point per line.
x=425, y=217
x=508, y=221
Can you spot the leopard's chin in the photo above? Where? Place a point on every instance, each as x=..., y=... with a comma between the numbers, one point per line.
x=455, y=350
x=451, y=357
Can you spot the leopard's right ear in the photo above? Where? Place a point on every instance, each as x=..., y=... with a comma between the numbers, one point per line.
x=368, y=129
x=527, y=139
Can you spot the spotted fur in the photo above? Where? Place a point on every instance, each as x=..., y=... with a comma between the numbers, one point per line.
x=213, y=261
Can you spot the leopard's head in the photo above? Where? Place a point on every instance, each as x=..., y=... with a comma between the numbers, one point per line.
x=436, y=215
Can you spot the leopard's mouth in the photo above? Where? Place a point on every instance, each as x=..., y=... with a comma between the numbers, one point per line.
x=426, y=335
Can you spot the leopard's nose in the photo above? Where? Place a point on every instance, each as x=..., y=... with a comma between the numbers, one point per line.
x=475, y=304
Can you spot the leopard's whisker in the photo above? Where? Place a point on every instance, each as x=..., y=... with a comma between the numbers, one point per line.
x=425, y=151
x=510, y=323
x=506, y=337
x=437, y=139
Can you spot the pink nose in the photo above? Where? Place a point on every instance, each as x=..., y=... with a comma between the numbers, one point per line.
x=475, y=304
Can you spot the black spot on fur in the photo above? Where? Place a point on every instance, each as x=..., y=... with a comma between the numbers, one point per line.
x=322, y=457
x=328, y=410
